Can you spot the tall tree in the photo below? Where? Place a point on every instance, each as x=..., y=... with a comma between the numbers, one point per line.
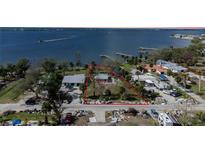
x=21, y=67
x=46, y=108
x=3, y=72
x=49, y=65
x=71, y=65
x=122, y=91
x=63, y=67
x=77, y=56
x=11, y=68
x=51, y=83
x=31, y=82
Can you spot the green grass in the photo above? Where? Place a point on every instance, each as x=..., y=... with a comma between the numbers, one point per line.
x=191, y=119
x=12, y=91
x=138, y=121
x=195, y=89
x=24, y=116
x=115, y=91
x=100, y=88
x=127, y=67
x=80, y=70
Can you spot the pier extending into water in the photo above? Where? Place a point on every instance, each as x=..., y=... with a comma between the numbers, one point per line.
x=107, y=57
x=147, y=49
x=123, y=54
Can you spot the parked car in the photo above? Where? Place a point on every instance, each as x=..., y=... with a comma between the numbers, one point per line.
x=6, y=113
x=155, y=113
x=31, y=101
x=175, y=94
x=68, y=119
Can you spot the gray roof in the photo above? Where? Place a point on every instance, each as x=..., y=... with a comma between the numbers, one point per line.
x=78, y=78
x=102, y=76
x=170, y=65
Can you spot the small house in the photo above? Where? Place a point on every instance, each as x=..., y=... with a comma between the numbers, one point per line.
x=103, y=77
x=72, y=81
x=155, y=68
x=171, y=66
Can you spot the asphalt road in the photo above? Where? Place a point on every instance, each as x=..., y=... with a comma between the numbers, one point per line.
x=100, y=110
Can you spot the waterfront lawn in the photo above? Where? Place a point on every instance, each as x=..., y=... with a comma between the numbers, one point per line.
x=195, y=88
x=12, y=92
x=77, y=70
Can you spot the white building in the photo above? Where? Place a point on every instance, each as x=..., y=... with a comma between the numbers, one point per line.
x=103, y=77
x=171, y=66
x=73, y=81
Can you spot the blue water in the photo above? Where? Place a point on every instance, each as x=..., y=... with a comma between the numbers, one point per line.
x=63, y=44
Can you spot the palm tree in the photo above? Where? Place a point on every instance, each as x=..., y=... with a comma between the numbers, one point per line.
x=57, y=110
x=71, y=65
x=32, y=78
x=63, y=67
x=46, y=107
x=199, y=72
x=184, y=78
x=49, y=65
x=122, y=92
x=3, y=72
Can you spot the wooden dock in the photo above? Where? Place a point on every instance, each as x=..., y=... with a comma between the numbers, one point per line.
x=123, y=55
x=107, y=57
x=147, y=49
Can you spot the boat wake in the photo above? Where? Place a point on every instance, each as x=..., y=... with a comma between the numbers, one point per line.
x=54, y=40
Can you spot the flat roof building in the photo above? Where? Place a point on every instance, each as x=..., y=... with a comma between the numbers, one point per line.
x=73, y=80
x=171, y=66
x=102, y=76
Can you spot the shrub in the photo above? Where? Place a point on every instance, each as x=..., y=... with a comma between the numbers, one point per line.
x=133, y=111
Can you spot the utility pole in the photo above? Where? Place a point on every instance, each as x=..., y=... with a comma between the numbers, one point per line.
x=199, y=82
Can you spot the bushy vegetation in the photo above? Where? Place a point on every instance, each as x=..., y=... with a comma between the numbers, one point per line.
x=187, y=56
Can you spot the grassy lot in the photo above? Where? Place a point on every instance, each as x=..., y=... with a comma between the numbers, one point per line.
x=127, y=67
x=138, y=121
x=25, y=116
x=100, y=88
x=115, y=91
x=12, y=92
x=195, y=89
x=75, y=71
x=192, y=119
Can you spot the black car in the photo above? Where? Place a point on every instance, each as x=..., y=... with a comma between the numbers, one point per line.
x=6, y=113
x=154, y=112
x=175, y=94
x=68, y=119
x=31, y=101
